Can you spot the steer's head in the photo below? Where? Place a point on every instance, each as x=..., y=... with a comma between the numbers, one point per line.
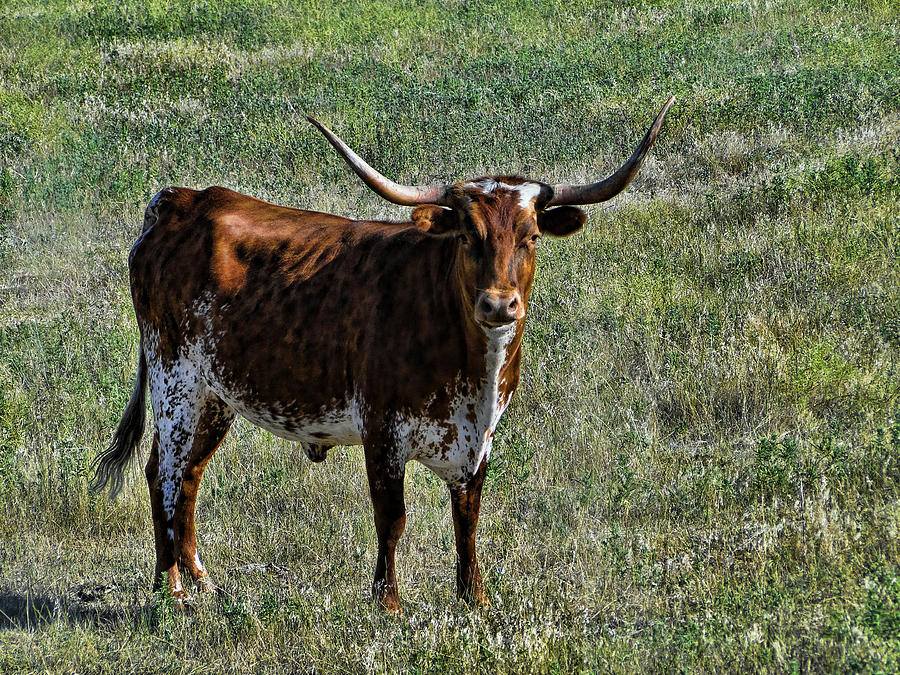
x=497, y=221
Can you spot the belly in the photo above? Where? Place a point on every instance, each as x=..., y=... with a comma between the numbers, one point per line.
x=278, y=401
x=330, y=426
x=333, y=422
x=452, y=435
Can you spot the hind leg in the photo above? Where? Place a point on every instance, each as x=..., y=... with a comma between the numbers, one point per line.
x=164, y=536
x=190, y=423
x=213, y=424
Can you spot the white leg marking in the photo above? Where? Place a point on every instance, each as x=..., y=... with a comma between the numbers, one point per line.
x=177, y=393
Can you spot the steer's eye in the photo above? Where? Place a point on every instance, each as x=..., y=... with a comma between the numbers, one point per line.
x=464, y=238
x=534, y=239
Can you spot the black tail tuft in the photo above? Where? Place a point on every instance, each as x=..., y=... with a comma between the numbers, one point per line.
x=109, y=467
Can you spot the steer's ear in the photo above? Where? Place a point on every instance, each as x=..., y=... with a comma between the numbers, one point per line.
x=435, y=219
x=561, y=221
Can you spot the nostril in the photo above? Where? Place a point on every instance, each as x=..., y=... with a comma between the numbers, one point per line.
x=499, y=308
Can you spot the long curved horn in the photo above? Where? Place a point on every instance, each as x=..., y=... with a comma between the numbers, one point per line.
x=593, y=193
x=405, y=195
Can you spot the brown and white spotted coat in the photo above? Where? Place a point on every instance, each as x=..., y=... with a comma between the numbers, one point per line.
x=404, y=337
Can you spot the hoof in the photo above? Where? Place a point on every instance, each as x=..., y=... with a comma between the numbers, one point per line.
x=206, y=585
x=387, y=599
x=476, y=598
x=316, y=452
x=184, y=604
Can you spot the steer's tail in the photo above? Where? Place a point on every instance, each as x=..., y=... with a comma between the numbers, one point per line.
x=109, y=467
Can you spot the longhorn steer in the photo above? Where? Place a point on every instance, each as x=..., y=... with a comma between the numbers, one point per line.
x=405, y=337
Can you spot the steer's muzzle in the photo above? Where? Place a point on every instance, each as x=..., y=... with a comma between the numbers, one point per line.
x=496, y=308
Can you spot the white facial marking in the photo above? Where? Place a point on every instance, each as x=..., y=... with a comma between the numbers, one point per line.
x=527, y=191
x=486, y=185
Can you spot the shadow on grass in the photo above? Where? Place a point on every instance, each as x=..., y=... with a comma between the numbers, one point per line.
x=27, y=610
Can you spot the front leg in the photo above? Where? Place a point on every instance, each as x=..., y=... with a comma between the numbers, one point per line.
x=466, y=502
x=386, y=488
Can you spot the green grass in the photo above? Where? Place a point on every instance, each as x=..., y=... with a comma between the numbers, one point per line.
x=701, y=469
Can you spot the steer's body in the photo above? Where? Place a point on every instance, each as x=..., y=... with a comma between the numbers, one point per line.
x=405, y=337
x=321, y=329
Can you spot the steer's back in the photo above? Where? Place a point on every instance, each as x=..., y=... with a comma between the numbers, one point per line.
x=219, y=242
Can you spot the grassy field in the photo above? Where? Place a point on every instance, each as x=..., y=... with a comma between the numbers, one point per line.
x=701, y=469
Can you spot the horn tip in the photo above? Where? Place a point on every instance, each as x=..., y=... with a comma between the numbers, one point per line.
x=668, y=105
